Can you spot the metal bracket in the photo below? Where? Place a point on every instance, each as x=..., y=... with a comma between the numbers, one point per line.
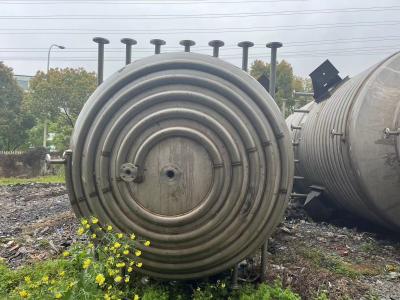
x=294, y=127
x=334, y=133
x=130, y=173
x=389, y=132
x=57, y=161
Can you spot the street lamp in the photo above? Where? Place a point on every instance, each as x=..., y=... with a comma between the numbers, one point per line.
x=47, y=75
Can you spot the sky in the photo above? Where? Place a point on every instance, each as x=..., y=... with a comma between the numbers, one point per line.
x=352, y=34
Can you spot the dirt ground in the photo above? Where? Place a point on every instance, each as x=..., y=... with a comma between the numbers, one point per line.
x=36, y=222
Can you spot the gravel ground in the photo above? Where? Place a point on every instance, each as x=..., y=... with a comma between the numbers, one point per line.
x=36, y=222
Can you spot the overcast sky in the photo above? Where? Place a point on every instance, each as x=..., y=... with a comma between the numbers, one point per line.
x=353, y=34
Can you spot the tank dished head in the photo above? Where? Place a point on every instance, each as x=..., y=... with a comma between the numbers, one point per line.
x=128, y=41
x=157, y=42
x=216, y=43
x=274, y=45
x=187, y=43
x=101, y=40
x=245, y=44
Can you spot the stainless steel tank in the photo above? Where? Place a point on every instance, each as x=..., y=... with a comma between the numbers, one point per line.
x=347, y=146
x=187, y=151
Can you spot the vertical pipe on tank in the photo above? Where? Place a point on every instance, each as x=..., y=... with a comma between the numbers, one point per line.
x=128, y=49
x=245, y=45
x=187, y=44
x=157, y=45
x=216, y=44
x=272, y=76
x=100, y=57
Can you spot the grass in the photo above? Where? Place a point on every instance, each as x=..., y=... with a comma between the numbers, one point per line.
x=42, y=179
x=337, y=265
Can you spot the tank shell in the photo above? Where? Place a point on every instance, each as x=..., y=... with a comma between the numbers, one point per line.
x=343, y=147
x=213, y=153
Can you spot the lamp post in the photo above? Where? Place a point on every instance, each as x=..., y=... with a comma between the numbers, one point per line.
x=47, y=75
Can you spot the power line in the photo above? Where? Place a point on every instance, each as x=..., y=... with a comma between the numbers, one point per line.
x=203, y=31
x=55, y=2
x=204, y=16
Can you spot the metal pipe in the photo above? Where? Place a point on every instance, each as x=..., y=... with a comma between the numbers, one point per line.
x=100, y=58
x=245, y=45
x=264, y=265
x=157, y=45
x=272, y=76
x=128, y=49
x=216, y=44
x=187, y=44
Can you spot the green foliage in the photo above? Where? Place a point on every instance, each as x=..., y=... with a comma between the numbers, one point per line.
x=43, y=179
x=286, y=82
x=57, y=98
x=14, y=121
x=266, y=292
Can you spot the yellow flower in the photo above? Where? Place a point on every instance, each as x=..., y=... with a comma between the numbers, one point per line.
x=147, y=243
x=126, y=252
x=81, y=231
x=84, y=221
x=133, y=236
x=138, y=252
x=95, y=220
x=117, y=245
x=24, y=294
x=87, y=226
x=105, y=248
x=58, y=296
x=132, y=263
x=111, y=272
x=118, y=279
x=27, y=279
x=136, y=297
x=94, y=236
x=120, y=235
x=126, y=279
x=120, y=265
x=107, y=297
x=62, y=273
x=90, y=246
x=139, y=265
x=109, y=228
x=100, y=279
x=87, y=263
x=45, y=279
x=66, y=253
x=71, y=284
x=130, y=269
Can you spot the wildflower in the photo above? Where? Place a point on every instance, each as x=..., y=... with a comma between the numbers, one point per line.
x=58, y=296
x=62, y=273
x=118, y=255
x=126, y=252
x=126, y=279
x=111, y=272
x=90, y=246
x=45, y=279
x=81, y=231
x=118, y=279
x=84, y=221
x=139, y=265
x=130, y=269
x=71, y=284
x=24, y=294
x=136, y=297
x=120, y=235
x=133, y=236
x=120, y=265
x=147, y=243
x=117, y=245
x=132, y=263
x=138, y=252
x=94, y=236
x=126, y=246
x=87, y=226
x=107, y=297
x=109, y=228
x=95, y=220
x=87, y=263
x=66, y=253
x=100, y=279
x=223, y=285
x=27, y=279
x=105, y=248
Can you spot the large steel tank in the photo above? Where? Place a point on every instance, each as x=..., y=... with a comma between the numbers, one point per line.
x=347, y=146
x=187, y=151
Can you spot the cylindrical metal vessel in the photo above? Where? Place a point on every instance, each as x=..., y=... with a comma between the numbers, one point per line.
x=341, y=146
x=187, y=151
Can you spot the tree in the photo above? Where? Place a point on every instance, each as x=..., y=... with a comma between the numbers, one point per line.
x=58, y=97
x=286, y=82
x=14, y=121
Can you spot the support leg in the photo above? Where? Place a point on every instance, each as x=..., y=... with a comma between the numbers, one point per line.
x=264, y=250
x=235, y=285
